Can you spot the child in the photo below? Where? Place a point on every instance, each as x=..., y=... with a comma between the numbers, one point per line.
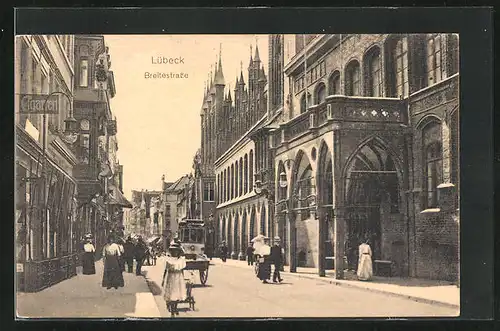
x=174, y=285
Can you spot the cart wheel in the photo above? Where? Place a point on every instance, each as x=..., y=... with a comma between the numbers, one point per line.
x=256, y=268
x=203, y=276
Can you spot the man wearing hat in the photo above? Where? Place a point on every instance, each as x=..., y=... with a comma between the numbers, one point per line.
x=223, y=251
x=277, y=259
x=250, y=251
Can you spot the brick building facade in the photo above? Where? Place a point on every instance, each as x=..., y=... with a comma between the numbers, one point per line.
x=372, y=132
x=358, y=140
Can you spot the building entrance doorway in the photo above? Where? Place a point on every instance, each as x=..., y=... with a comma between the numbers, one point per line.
x=371, y=185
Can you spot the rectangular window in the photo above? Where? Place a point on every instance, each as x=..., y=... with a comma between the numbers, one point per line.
x=208, y=192
x=84, y=73
x=433, y=173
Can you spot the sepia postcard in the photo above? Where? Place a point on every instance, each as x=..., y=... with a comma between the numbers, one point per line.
x=237, y=176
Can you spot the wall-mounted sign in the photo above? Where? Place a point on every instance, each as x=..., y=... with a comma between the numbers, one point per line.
x=38, y=104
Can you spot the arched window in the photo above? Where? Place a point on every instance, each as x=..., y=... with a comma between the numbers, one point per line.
x=250, y=170
x=373, y=73
x=232, y=182
x=245, y=169
x=303, y=104
x=228, y=184
x=401, y=67
x=435, y=69
x=240, y=191
x=433, y=160
x=334, y=84
x=352, y=83
x=320, y=93
x=237, y=179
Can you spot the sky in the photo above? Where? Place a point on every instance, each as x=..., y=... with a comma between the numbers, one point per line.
x=159, y=119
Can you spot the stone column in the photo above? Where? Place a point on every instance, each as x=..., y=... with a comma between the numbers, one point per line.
x=339, y=224
x=292, y=235
x=322, y=230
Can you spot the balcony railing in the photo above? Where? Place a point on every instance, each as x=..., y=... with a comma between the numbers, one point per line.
x=344, y=109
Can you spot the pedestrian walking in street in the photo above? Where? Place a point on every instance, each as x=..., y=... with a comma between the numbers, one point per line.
x=365, y=268
x=128, y=254
x=277, y=259
x=112, y=275
x=264, y=253
x=88, y=259
x=223, y=251
x=121, y=259
x=250, y=251
x=173, y=283
x=139, y=254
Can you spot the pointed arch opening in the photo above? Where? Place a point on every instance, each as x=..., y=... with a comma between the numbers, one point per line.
x=236, y=234
x=334, y=83
x=263, y=220
x=320, y=94
x=372, y=196
x=244, y=232
x=254, y=231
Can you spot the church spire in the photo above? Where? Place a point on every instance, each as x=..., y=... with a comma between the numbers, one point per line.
x=251, y=59
x=257, y=57
x=242, y=82
x=219, y=76
x=211, y=80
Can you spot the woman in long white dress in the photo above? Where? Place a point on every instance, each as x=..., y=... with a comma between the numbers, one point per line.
x=365, y=268
x=174, y=285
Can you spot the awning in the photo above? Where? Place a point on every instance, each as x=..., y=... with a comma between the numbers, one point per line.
x=117, y=198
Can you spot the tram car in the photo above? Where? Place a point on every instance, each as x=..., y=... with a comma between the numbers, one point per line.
x=192, y=234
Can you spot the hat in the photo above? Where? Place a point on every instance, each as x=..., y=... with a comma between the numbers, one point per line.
x=174, y=245
x=277, y=238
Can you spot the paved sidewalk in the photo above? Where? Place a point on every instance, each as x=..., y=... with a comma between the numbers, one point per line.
x=422, y=290
x=83, y=296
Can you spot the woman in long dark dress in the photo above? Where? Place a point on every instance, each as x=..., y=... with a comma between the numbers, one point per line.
x=88, y=259
x=265, y=262
x=112, y=275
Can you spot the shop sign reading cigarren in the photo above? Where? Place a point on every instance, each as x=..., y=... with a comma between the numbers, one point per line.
x=38, y=104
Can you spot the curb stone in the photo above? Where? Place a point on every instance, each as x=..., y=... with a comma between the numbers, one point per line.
x=352, y=285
